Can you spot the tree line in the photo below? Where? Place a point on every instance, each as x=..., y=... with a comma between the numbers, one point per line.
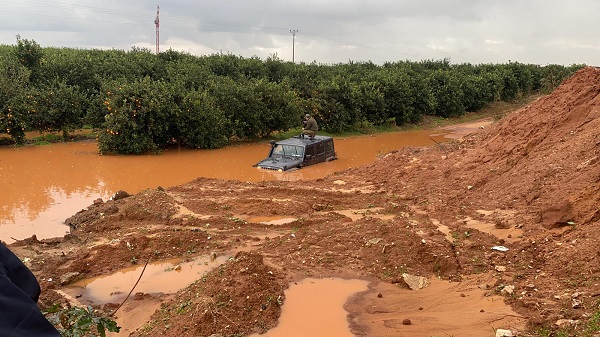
x=142, y=102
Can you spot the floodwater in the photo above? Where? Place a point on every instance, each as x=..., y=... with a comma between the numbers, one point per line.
x=41, y=186
x=315, y=307
x=162, y=277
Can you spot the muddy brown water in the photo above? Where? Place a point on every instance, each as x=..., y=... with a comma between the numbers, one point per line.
x=315, y=307
x=41, y=186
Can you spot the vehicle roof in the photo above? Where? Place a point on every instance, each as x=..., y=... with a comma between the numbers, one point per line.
x=303, y=141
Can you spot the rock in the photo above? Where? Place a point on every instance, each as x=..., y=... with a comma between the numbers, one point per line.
x=98, y=201
x=484, y=286
x=562, y=322
x=69, y=278
x=120, y=195
x=507, y=290
x=406, y=321
x=415, y=282
x=557, y=215
x=576, y=304
x=373, y=241
x=380, y=295
x=504, y=333
x=501, y=268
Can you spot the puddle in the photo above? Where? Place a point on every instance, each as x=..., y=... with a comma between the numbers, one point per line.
x=509, y=234
x=315, y=307
x=161, y=277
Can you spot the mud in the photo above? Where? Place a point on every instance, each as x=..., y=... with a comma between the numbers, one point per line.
x=424, y=211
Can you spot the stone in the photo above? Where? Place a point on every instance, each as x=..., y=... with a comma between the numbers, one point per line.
x=406, y=321
x=69, y=278
x=504, y=333
x=507, y=290
x=120, y=195
x=415, y=282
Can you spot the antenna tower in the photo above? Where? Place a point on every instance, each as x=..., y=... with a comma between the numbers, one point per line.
x=156, y=22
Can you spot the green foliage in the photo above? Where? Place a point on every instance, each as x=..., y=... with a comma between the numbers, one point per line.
x=15, y=98
x=140, y=119
x=30, y=54
x=143, y=102
x=446, y=88
x=76, y=321
x=58, y=107
x=201, y=123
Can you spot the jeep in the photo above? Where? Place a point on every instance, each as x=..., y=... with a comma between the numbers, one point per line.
x=297, y=152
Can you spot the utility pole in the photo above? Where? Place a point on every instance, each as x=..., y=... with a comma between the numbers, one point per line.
x=293, y=31
x=156, y=22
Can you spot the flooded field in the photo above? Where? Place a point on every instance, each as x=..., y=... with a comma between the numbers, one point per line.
x=43, y=185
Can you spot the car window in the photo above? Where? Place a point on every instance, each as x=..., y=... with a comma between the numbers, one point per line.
x=288, y=150
x=320, y=148
x=329, y=146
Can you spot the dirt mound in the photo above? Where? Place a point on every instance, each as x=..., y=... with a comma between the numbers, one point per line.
x=547, y=154
x=241, y=297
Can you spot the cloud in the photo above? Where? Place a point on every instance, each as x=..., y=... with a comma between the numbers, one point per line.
x=329, y=31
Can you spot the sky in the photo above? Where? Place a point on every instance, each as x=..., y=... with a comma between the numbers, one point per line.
x=540, y=32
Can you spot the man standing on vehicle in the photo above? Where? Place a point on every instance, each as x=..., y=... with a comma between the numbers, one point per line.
x=310, y=126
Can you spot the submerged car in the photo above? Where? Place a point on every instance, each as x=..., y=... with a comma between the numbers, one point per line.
x=297, y=152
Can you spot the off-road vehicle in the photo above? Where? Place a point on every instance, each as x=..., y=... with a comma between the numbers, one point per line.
x=297, y=152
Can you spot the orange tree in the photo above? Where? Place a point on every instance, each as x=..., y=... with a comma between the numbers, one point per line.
x=58, y=107
x=141, y=117
x=15, y=98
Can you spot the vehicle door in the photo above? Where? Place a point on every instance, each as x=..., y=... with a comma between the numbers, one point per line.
x=309, y=155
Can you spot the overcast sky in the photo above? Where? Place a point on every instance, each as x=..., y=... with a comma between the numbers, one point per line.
x=328, y=31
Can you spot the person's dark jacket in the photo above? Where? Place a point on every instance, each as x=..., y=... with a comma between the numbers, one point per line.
x=311, y=124
x=19, y=291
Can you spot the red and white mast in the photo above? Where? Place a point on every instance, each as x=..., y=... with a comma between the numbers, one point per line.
x=156, y=22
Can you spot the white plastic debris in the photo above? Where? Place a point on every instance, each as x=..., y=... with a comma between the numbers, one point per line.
x=500, y=248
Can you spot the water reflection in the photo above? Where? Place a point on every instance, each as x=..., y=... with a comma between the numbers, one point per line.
x=43, y=185
x=315, y=307
x=165, y=277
